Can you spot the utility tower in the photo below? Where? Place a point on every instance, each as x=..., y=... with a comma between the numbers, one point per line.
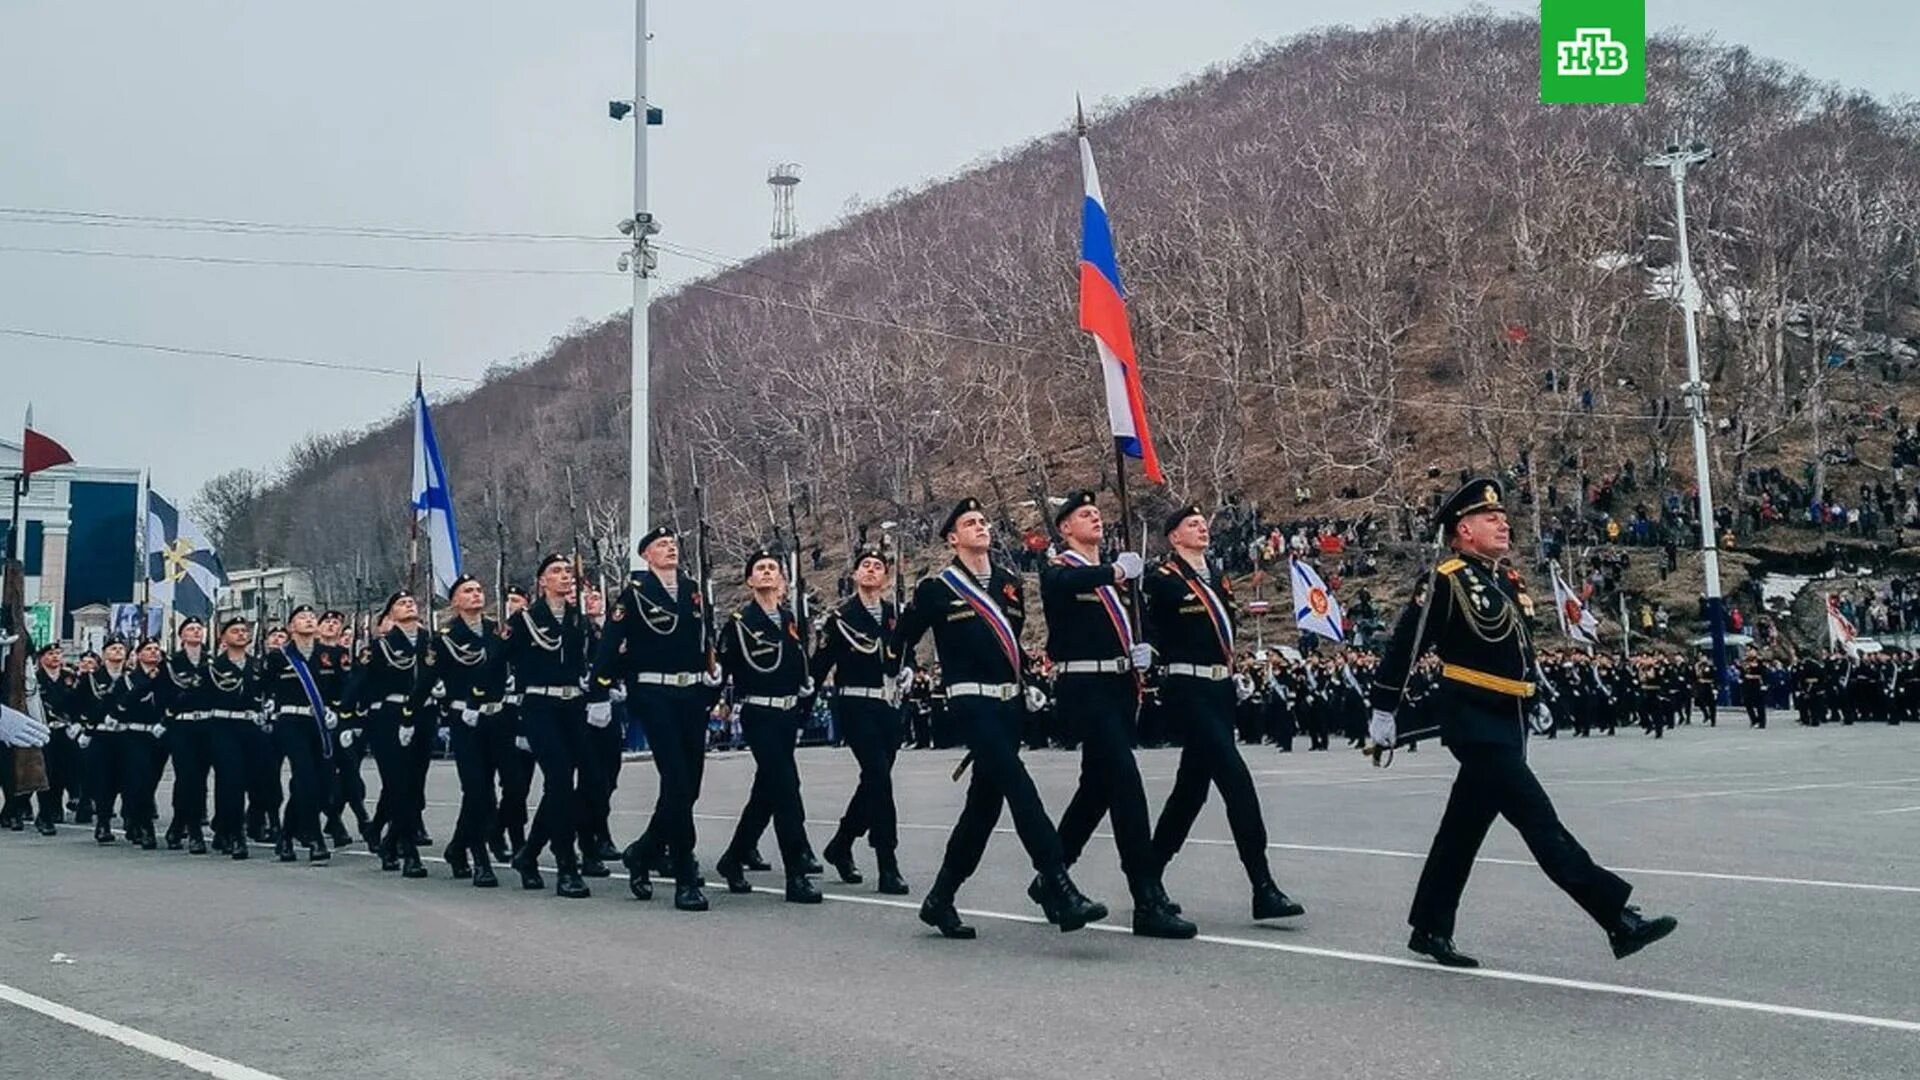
x=783, y=178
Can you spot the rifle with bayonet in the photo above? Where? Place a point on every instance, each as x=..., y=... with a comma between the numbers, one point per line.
x=704, y=565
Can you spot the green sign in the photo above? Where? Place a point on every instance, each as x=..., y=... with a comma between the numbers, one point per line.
x=1593, y=52
x=39, y=624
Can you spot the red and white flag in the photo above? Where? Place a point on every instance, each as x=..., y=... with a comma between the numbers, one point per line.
x=39, y=452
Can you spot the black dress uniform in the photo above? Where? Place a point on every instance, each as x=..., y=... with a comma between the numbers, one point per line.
x=390, y=693
x=762, y=653
x=654, y=646
x=302, y=727
x=471, y=662
x=1753, y=692
x=140, y=701
x=976, y=623
x=64, y=759
x=856, y=650
x=1706, y=692
x=1190, y=622
x=346, y=789
x=100, y=741
x=1090, y=639
x=1474, y=622
x=189, y=744
x=233, y=713
x=549, y=652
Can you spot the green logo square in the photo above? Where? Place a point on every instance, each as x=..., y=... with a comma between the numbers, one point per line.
x=1593, y=52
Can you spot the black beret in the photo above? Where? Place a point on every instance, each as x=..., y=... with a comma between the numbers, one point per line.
x=515, y=590
x=1174, y=519
x=870, y=552
x=758, y=557
x=453, y=588
x=309, y=607
x=49, y=647
x=231, y=623
x=556, y=557
x=658, y=532
x=1475, y=496
x=960, y=509
x=112, y=640
x=192, y=620
x=333, y=613
x=1073, y=501
x=386, y=609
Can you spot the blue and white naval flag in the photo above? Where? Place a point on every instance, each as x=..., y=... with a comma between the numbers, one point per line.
x=432, y=498
x=1314, y=607
x=182, y=568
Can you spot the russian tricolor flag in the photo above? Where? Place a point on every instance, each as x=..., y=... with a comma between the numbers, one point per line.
x=1103, y=313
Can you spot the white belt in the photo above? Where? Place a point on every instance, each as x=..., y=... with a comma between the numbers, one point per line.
x=872, y=693
x=232, y=714
x=187, y=717
x=564, y=693
x=679, y=679
x=1094, y=667
x=487, y=709
x=1214, y=672
x=996, y=691
x=780, y=703
x=397, y=699
x=295, y=710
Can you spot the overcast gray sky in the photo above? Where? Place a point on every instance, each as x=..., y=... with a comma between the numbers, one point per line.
x=490, y=116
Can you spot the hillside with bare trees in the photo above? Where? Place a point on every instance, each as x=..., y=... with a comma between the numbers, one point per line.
x=1357, y=261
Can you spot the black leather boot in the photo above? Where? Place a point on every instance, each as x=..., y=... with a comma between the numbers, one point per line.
x=389, y=857
x=688, y=896
x=1066, y=908
x=241, y=850
x=801, y=890
x=839, y=855
x=1165, y=901
x=318, y=852
x=1631, y=932
x=809, y=864
x=529, y=868
x=568, y=882
x=103, y=833
x=176, y=838
x=370, y=836
x=603, y=849
x=283, y=849
x=501, y=852
x=1441, y=949
x=1270, y=903
x=592, y=866
x=44, y=827
x=483, y=876
x=891, y=883
x=457, y=862
x=196, y=841
x=937, y=911
x=755, y=863
x=337, y=832
x=639, y=874
x=733, y=872
x=410, y=864
x=1152, y=919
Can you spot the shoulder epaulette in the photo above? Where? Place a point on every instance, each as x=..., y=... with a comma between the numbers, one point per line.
x=1449, y=566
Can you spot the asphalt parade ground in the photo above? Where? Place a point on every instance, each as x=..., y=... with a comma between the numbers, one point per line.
x=1791, y=857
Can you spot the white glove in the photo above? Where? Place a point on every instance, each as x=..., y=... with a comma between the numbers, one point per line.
x=1130, y=564
x=904, y=681
x=440, y=690
x=331, y=719
x=85, y=740
x=19, y=729
x=1540, y=718
x=520, y=743
x=471, y=717
x=1380, y=728
x=158, y=730
x=406, y=735
x=109, y=725
x=807, y=688
x=617, y=693
x=7, y=639
x=1142, y=656
x=1036, y=699
x=600, y=713
x=1242, y=688
x=711, y=678
x=346, y=738
x=265, y=717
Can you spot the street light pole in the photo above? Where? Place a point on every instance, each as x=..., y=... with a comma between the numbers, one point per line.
x=641, y=262
x=1676, y=159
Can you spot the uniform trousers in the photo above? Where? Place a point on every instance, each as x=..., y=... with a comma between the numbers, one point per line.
x=515, y=769
x=775, y=795
x=475, y=751
x=191, y=744
x=298, y=738
x=346, y=787
x=1209, y=759
x=134, y=755
x=674, y=719
x=64, y=766
x=103, y=781
x=227, y=746
x=1100, y=711
x=263, y=778
x=872, y=730
x=1494, y=781
x=557, y=731
x=397, y=812
x=991, y=730
x=600, y=774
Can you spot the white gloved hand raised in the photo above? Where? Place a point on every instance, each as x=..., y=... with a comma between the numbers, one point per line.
x=19, y=729
x=1380, y=728
x=470, y=717
x=1036, y=699
x=1142, y=656
x=617, y=693
x=1130, y=564
x=521, y=744
x=600, y=713
x=406, y=735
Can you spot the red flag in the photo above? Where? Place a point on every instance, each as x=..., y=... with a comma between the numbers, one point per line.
x=40, y=452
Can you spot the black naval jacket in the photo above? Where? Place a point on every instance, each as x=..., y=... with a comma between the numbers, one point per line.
x=548, y=651
x=1078, y=626
x=1487, y=675
x=57, y=696
x=188, y=698
x=280, y=684
x=94, y=694
x=140, y=700
x=857, y=649
x=969, y=649
x=390, y=674
x=650, y=631
x=472, y=665
x=233, y=690
x=1179, y=625
x=762, y=653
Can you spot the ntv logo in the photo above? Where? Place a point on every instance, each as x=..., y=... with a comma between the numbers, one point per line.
x=1592, y=52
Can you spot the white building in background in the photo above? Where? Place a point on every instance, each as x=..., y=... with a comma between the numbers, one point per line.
x=78, y=540
x=274, y=589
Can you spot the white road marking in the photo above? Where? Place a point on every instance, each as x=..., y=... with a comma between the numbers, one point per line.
x=165, y=1049
x=1428, y=967
x=1850, y=784
x=1896, y=810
